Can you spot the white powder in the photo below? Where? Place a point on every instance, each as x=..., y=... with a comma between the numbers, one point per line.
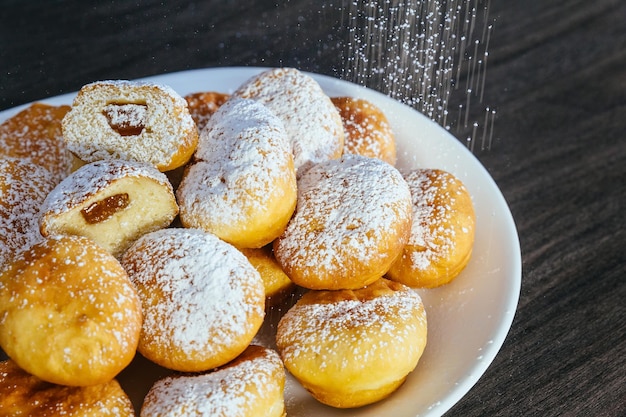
x=23, y=188
x=243, y=159
x=164, y=116
x=312, y=122
x=234, y=390
x=364, y=325
x=195, y=290
x=434, y=228
x=90, y=179
x=345, y=207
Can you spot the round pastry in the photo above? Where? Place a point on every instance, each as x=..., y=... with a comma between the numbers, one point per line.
x=202, y=105
x=23, y=188
x=352, y=220
x=367, y=130
x=312, y=122
x=34, y=134
x=131, y=120
x=242, y=183
x=250, y=386
x=113, y=202
x=70, y=315
x=442, y=235
x=22, y=394
x=350, y=348
x=277, y=283
x=202, y=300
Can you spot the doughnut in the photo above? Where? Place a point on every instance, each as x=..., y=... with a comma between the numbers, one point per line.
x=203, y=302
x=23, y=188
x=202, y=105
x=277, y=284
x=131, y=120
x=22, y=394
x=250, y=386
x=352, y=220
x=113, y=202
x=34, y=134
x=367, y=130
x=350, y=348
x=242, y=183
x=312, y=122
x=70, y=315
x=442, y=235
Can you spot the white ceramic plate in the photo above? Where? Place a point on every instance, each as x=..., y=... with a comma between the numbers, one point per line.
x=467, y=320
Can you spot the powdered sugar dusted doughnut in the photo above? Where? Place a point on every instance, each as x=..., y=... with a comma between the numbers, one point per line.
x=70, y=315
x=22, y=394
x=203, y=302
x=34, y=134
x=112, y=202
x=242, y=184
x=352, y=220
x=311, y=120
x=131, y=120
x=250, y=386
x=350, y=348
x=367, y=129
x=442, y=235
x=23, y=188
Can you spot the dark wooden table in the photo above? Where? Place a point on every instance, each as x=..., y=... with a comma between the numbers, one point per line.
x=557, y=78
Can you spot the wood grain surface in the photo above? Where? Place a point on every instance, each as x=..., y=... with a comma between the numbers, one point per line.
x=557, y=77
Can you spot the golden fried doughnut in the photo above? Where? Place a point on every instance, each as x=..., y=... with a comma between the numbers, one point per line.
x=352, y=220
x=311, y=120
x=442, y=235
x=367, y=129
x=22, y=394
x=250, y=386
x=277, y=283
x=23, y=188
x=202, y=105
x=70, y=315
x=34, y=134
x=113, y=202
x=242, y=183
x=131, y=120
x=350, y=348
x=203, y=302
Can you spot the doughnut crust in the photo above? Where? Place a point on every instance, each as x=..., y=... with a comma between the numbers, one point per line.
x=350, y=348
x=443, y=230
x=352, y=220
x=23, y=188
x=34, y=134
x=242, y=183
x=250, y=386
x=277, y=283
x=131, y=120
x=367, y=130
x=112, y=202
x=312, y=122
x=70, y=315
x=203, y=302
x=22, y=394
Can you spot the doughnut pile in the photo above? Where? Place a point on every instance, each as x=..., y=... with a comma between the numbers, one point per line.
x=141, y=225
